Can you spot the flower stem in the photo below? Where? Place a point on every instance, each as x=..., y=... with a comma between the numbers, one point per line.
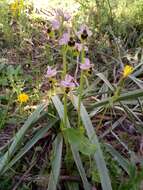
x=80, y=89
x=80, y=97
x=118, y=90
x=65, y=109
x=64, y=52
x=113, y=99
x=102, y=117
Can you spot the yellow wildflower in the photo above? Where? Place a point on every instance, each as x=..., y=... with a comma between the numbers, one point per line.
x=23, y=98
x=16, y=7
x=127, y=71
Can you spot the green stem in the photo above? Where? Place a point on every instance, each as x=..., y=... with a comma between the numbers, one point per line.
x=111, y=14
x=65, y=123
x=80, y=89
x=100, y=122
x=113, y=99
x=64, y=52
x=118, y=90
x=80, y=97
x=65, y=109
x=4, y=118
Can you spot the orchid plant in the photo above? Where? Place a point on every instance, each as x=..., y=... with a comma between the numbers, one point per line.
x=77, y=43
x=71, y=41
x=81, y=135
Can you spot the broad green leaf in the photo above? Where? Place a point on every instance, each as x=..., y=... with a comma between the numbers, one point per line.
x=29, y=145
x=56, y=163
x=79, y=141
x=19, y=136
x=98, y=156
x=73, y=136
x=60, y=109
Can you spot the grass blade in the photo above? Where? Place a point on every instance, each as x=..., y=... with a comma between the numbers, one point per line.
x=72, y=185
x=56, y=163
x=123, y=97
x=137, y=81
x=120, y=159
x=29, y=145
x=19, y=136
x=102, y=76
x=98, y=156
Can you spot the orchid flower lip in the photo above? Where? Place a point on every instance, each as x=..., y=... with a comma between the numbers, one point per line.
x=49, y=30
x=71, y=42
x=84, y=32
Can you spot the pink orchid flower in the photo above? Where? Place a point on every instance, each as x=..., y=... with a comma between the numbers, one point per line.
x=65, y=15
x=68, y=82
x=51, y=72
x=86, y=65
x=55, y=24
x=65, y=39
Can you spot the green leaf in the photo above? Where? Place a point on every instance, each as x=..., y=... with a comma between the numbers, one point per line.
x=137, y=81
x=56, y=163
x=72, y=186
x=123, y=97
x=29, y=145
x=60, y=109
x=79, y=141
x=98, y=156
x=20, y=135
x=119, y=158
x=102, y=76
